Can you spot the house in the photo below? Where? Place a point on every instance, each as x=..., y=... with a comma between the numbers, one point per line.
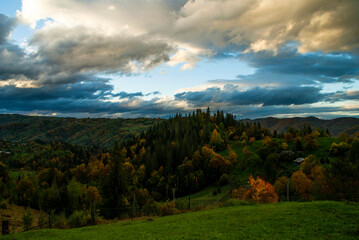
x=298, y=161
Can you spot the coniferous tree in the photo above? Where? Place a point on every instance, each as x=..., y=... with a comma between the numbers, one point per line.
x=116, y=185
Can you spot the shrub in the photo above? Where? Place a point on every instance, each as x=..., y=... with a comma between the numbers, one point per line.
x=167, y=209
x=239, y=192
x=60, y=221
x=151, y=208
x=41, y=221
x=78, y=218
x=27, y=219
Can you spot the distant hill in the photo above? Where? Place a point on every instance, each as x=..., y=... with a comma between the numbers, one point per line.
x=104, y=131
x=352, y=131
x=335, y=126
x=86, y=132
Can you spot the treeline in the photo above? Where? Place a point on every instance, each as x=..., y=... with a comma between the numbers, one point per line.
x=87, y=132
x=329, y=171
x=180, y=153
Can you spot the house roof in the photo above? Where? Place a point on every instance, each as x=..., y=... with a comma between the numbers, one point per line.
x=299, y=160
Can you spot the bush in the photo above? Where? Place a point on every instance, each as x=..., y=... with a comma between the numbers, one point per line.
x=239, y=193
x=151, y=208
x=60, y=221
x=42, y=221
x=27, y=219
x=167, y=209
x=78, y=218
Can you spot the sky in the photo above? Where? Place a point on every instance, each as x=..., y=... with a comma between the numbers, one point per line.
x=155, y=58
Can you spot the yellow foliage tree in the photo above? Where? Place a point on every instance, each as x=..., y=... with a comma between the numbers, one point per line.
x=308, y=164
x=233, y=158
x=218, y=162
x=302, y=184
x=319, y=180
x=216, y=140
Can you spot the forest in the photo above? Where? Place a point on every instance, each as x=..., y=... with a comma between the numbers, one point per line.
x=74, y=185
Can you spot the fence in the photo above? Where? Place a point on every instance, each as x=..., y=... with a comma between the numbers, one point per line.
x=12, y=226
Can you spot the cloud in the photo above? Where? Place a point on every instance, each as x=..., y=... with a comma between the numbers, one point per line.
x=128, y=95
x=232, y=95
x=153, y=93
x=341, y=67
x=348, y=95
x=6, y=25
x=326, y=112
x=79, y=50
x=84, y=98
x=210, y=26
x=258, y=25
x=296, y=48
x=61, y=75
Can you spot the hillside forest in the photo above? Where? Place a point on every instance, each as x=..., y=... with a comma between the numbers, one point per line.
x=179, y=156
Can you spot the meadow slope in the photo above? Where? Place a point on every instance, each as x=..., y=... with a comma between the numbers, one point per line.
x=294, y=220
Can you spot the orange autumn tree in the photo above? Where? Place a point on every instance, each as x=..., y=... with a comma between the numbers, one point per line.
x=260, y=191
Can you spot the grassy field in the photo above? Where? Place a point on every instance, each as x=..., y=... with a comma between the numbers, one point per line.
x=205, y=197
x=310, y=220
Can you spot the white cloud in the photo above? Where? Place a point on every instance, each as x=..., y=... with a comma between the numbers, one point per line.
x=199, y=27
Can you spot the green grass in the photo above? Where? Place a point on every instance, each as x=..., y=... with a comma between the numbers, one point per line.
x=310, y=220
x=16, y=174
x=204, y=197
x=237, y=175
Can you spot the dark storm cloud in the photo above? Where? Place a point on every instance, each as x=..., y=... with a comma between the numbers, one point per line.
x=14, y=63
x=87, y=90
x=86, y=97
x=6, y=25
x=13, y=60
x=232, y=95
x=341, y=67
